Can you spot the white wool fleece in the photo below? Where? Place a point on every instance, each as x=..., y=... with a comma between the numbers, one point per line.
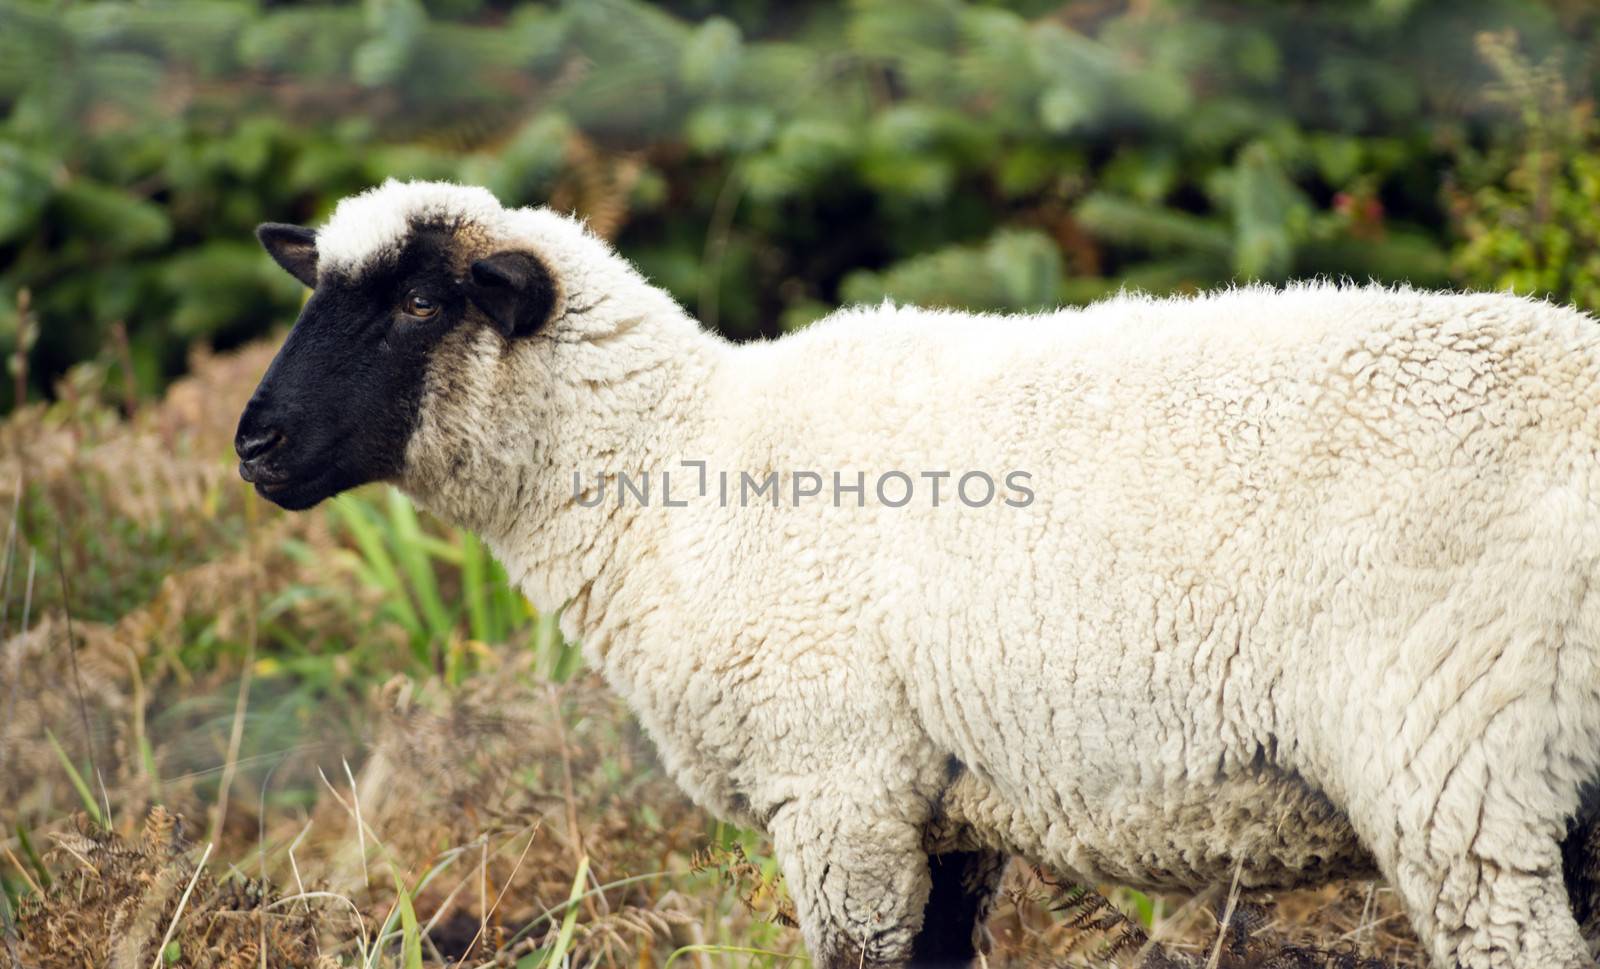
x=1305, y=586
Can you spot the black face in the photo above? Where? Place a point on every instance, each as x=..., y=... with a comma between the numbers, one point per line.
x=339, y=404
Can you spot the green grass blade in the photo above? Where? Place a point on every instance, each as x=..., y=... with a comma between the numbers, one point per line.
x=558, y=952
x=527, y=929
x=41, y=873
x=84, y=794
x=408, y=542
x=440, y=550
x=385, y=931
x=1143, y=906
x=474, y=581
x=9, y=902
x=558, y=658
x=410, y=933
x=357, y=516
x=354, y=515
x=510, y=608
x=546, y=640
x=568, y=662
x=147, y=757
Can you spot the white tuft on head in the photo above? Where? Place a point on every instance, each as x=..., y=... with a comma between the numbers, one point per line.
x=376, y=223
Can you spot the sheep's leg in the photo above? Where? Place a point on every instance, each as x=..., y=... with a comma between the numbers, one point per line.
x=964, y=885
x=859, y=879
x=1471, y=839
x=1580, y=865
x=1490, y=918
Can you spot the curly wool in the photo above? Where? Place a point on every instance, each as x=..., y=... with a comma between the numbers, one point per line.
x=1304, y=589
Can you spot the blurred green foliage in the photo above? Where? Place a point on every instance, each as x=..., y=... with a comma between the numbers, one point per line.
x=766, y=160
x=1529, y=217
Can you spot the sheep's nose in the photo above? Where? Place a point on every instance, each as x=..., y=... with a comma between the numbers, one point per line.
x=255, y=439
x=256, y=445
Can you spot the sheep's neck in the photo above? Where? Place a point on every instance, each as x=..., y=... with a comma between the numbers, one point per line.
x=623, y=402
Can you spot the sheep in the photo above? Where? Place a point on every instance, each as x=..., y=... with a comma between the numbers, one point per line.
x=1267, y=585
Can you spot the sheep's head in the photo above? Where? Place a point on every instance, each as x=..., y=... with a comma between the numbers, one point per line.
x=394, y=274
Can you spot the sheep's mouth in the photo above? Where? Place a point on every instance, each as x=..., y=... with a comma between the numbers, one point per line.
x=273, y=487
x=263, y=477
x=288, y=492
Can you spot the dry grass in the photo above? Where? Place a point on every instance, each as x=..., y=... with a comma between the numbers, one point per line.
x=119, y=901
x=367, y=802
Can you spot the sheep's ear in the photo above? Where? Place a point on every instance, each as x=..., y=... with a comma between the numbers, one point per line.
x=514, y=290
x=294, y=247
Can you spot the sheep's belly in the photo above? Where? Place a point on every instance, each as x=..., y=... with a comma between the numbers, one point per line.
x=1271, y=827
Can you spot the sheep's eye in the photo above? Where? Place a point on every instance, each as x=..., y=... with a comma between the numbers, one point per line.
x=420, y=306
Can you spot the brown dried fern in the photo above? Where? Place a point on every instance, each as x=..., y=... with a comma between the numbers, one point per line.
x=112, y=901
x=762, y=896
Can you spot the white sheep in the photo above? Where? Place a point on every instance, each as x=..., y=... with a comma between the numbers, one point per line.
x=1275, y=585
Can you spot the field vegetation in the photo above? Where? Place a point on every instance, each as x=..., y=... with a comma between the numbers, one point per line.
x=235, y=737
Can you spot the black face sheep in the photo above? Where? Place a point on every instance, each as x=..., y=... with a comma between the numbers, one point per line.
x=1270, y=584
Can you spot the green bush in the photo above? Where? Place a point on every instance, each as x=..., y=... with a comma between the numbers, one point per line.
x=767, y=160
x=1528, y=208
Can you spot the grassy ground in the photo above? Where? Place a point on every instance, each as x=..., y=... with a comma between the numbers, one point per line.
x=235, y=737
